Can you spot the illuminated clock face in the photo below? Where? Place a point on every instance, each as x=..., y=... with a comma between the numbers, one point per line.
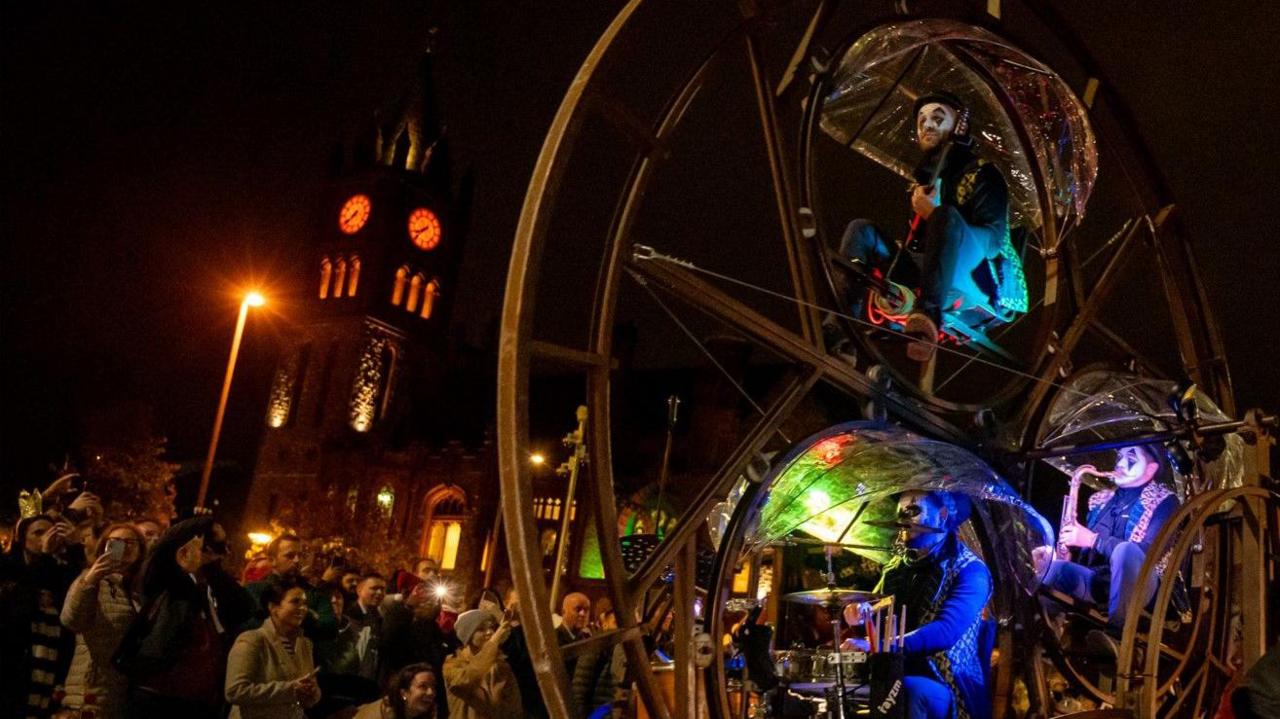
x=354, y=213
x=424, y=228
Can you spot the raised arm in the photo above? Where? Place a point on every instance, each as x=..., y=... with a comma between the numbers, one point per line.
x=81, y=607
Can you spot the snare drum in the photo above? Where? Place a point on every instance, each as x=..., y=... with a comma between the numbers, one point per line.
x=801, y=665
x=804, y=666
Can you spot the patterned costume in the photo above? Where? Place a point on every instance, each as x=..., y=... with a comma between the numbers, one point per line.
x=1140, y=514
x=945, y=593
x=1125, y=520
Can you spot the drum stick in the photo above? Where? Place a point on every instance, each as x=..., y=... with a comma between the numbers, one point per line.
x=868, y=620
x=882, y=603
x=880, y=627
x=889, y=619
x=902, y=630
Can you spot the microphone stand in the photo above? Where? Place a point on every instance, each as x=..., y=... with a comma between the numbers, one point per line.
x=835, y=609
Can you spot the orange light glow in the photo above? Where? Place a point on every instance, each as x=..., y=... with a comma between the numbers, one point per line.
x=354, y=213
x=424, y=228
x=255, y=299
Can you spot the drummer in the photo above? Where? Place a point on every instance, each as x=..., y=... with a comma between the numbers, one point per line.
x=944, y=587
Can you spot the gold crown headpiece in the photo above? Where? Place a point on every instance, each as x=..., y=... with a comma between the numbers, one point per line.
x=30, y=503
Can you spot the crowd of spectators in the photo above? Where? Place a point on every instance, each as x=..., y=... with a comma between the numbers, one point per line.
x=142, y=618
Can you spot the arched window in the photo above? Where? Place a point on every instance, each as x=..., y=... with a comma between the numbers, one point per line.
x=339, y=277
x=353, y=500
x=326, y=271
x=429, y=296
x=386, y=501
x=442, y=534
x=415, y=288
x=397, y=292
x=353, y=279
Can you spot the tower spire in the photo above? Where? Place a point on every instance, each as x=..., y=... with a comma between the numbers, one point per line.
x=409, y=132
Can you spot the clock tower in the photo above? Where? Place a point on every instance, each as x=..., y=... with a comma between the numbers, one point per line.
x=368, y=352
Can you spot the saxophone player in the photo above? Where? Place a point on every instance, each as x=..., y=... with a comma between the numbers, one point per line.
x=1115, y=538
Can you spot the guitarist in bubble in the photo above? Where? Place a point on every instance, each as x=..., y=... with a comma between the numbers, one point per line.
x=960, y=206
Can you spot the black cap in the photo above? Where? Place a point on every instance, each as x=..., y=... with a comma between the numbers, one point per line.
x=942, y=97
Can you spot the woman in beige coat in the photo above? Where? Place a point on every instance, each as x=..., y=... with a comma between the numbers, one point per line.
x=270, y=673
x=477, y=678
x=100, y=606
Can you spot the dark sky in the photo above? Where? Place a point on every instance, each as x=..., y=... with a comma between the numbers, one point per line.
x=159, y=157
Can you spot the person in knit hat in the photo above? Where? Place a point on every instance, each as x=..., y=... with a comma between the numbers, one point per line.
x=477, y=678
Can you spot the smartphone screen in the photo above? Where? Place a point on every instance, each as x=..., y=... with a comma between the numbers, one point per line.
x=115, y=548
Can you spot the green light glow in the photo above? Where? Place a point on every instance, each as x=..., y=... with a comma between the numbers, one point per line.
x=817, y=501
x=590, y=565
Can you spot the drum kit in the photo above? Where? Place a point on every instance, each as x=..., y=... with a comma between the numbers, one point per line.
x=826, y=673
x=835, y=679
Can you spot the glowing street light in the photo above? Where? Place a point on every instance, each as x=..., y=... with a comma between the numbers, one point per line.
x=253, y=299
x=537, y=459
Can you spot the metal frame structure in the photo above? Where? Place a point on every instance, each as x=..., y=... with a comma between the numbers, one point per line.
x=584, y=102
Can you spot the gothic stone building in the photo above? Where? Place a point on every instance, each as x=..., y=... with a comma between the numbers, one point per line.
x=360, y=440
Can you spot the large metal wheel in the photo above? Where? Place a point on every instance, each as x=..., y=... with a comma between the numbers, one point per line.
x=1177, y=661
x=648, y=149
x=1189, y=673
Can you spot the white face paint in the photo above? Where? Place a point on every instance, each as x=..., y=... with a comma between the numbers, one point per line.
x=1133, y=467
x=934, y=124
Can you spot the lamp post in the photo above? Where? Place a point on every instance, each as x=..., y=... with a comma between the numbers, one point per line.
x=253, y=299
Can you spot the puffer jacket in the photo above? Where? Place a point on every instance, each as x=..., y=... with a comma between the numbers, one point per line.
x=99, y=615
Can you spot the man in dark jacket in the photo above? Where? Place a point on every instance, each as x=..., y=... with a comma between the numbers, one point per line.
x=174, y=652
x=963, y=224
x=1116, y=537
x=285, y=553
x=366, y=614
x=944, y=587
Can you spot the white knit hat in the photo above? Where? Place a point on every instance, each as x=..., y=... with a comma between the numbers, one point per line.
x=469, y=621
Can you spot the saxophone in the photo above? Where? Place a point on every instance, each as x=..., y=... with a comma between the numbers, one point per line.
x=1072, y=500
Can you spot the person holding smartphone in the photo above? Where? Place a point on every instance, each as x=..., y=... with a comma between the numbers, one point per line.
x=101, y=604
x=478, y=680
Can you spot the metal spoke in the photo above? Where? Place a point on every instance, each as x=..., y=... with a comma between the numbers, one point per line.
x=716, y=489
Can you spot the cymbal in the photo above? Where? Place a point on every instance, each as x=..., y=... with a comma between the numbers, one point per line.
x=898, y=524
x=830, y=597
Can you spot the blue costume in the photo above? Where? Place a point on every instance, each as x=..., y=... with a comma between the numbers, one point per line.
x=944, y=593
x=1125, y=520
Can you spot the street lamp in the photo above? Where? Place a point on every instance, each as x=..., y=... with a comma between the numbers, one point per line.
x=253, y=299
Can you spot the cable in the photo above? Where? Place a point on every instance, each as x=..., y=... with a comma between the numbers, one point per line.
x=693, y=338
x=650, y=254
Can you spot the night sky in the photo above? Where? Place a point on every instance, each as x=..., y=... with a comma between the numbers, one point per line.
x=160, y=157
